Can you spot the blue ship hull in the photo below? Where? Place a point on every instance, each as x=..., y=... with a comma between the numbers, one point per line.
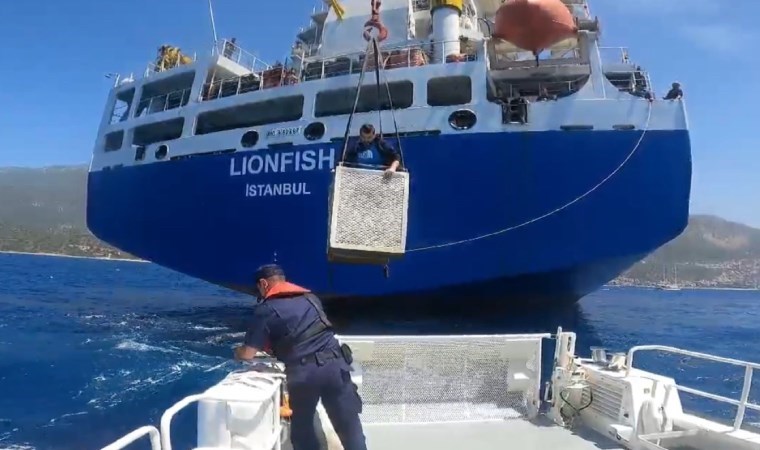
x=210, y=218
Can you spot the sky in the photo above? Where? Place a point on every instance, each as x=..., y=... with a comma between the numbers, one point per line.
x=56, y=54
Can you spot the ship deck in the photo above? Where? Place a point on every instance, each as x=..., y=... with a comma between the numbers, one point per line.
x=519, y=434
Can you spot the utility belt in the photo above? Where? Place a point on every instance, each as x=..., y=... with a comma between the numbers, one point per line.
x=320, y=358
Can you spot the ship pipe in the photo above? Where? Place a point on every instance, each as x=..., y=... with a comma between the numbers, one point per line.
x=446, y=30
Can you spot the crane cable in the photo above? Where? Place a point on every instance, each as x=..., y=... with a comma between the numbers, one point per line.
x=373, y=47
x=356, y=103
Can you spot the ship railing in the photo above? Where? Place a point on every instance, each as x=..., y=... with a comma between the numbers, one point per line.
x=235, y=53
x=126, y=440
x=630, y=81
x=742, y=404
x=227, y=87
x=615, y=55
x=118, y=79
x=559, y=88
x=169, y=64
x=415, y=55
x=163, y=102
x=278, y=75
x=525, y=59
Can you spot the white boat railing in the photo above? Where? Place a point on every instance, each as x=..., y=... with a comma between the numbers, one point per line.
x=615, y=55
x=166, y=418
x=163, y=102
x=743, y=403
x=234, y=52
x=414, y=55
x=150, y=431
x=392, y=58
x=433, y=379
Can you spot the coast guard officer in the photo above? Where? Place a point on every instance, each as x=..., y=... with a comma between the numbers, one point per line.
x=372, y=150
x=292, y=322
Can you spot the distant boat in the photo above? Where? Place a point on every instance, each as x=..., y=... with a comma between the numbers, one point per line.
x=664, y=286
x=668, y=287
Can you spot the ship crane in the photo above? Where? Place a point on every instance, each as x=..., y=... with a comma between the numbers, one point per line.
x=368, y=211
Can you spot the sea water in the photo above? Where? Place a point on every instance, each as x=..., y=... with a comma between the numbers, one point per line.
x=90, y=349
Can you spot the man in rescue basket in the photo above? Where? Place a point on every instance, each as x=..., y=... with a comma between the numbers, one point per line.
x=291, y=324
x=372, y=150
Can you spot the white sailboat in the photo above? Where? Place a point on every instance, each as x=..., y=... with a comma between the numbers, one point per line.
x=665, y=286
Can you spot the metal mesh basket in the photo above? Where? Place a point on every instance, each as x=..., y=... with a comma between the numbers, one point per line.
x=422, y=379
x=368, y=214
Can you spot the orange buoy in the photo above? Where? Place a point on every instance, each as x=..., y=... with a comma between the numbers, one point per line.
x=534, y=24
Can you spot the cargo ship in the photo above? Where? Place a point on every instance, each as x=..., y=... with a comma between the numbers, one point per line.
x=541, y=165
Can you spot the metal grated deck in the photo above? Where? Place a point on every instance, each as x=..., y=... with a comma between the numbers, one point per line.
x=444, y=379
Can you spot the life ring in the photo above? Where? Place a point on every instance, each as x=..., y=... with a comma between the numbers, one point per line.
x=382, y=32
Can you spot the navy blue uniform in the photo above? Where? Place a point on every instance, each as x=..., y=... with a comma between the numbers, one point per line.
x=674, y=94
x=285, y=323
x=375, y=153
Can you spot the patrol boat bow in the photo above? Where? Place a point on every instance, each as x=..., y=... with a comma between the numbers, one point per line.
x=478, y=393
x=512, y=198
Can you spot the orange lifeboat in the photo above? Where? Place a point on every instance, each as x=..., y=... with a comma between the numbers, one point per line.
x=534, y=24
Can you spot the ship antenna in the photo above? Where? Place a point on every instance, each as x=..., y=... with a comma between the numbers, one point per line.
x=213, y=25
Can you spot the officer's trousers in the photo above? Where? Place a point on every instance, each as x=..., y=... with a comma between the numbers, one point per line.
x=332, y=383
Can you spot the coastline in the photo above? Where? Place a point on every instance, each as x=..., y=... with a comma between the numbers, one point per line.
x=606, y=286
x=61, y=255
x=684, y=288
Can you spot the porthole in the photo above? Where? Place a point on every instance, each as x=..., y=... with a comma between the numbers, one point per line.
x=314, y=131
x=463, y=119
x=249, y=139
x=162, y=151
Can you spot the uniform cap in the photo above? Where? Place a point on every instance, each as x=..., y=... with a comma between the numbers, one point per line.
x=268, y=271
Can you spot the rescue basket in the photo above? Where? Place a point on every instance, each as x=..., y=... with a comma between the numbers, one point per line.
x=367, y=216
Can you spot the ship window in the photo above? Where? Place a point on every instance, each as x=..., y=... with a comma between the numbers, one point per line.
x=276, y=110
x=341, y=101
x=120, y=112
x=158, y=131
x=448, y=91
x=165, y=94
x=113, y=141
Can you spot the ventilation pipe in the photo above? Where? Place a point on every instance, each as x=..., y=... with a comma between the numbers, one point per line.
x=445, y=28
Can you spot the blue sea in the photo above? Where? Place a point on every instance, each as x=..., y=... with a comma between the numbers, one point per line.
x=90, y=350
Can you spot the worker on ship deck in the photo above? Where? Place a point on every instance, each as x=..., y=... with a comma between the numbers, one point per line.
x=229, y=48
x=675, y=92
x=292, y=322
x=372, y=150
